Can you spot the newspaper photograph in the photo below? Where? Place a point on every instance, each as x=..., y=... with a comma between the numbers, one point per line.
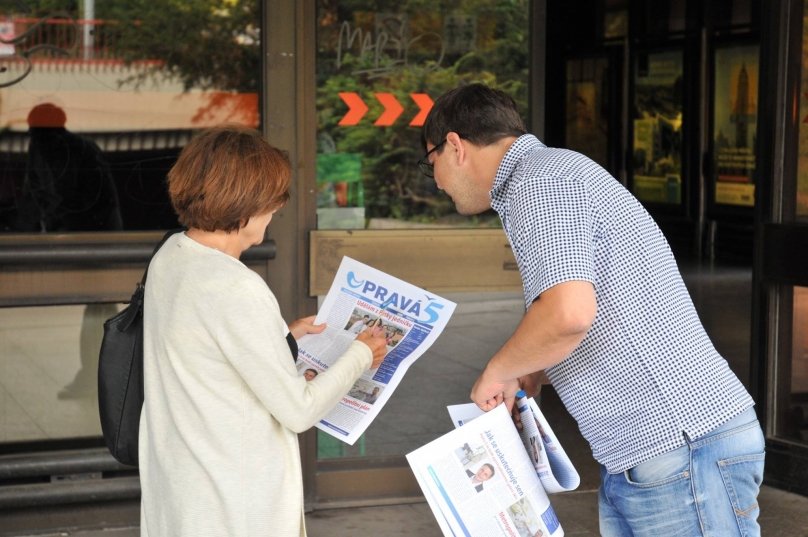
x=480, y=480
x=362, y=297
x=552, y=465
x=551, y=462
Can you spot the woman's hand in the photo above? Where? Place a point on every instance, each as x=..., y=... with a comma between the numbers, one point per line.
x=374, y=337
x=301, y=327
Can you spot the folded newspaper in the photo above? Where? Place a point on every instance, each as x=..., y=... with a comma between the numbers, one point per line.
x=487, y=479
x=362, y=297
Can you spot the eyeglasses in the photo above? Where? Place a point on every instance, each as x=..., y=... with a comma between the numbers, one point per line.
x=425, y=166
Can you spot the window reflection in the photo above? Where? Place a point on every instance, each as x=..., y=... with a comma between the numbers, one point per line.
x=587, y=107
x=126, y=86
x=794, y=424
x=657, y=125
x=802, y=163
x=380, y=65
x=735, y=124
x=48, y=371
x=67, y=185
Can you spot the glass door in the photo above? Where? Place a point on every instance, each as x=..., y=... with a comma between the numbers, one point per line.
x=379, y=68
x=781, y=250
x=96, y=105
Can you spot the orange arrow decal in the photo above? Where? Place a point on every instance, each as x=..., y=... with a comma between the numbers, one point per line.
x=392, y=109
x=356, y=108
x=425, y=104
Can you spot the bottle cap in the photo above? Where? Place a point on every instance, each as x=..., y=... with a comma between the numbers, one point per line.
x=521, y=393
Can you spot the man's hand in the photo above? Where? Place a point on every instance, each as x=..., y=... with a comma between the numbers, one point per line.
x=301, y=327
x=532, y=383
x=489, y=391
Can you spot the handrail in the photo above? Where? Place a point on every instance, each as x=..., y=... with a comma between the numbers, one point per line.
x=49, y=463
x=22, y=487
x=94, y=253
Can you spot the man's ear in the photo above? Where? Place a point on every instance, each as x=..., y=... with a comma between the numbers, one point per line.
x=453, y=139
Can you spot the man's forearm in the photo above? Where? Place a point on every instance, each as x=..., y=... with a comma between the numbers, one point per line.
x=551, y=329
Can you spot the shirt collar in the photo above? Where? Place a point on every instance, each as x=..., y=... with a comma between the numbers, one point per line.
x=519, y=148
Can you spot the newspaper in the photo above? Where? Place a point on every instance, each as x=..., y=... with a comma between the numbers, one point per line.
x=481, y=481
x=361, y=297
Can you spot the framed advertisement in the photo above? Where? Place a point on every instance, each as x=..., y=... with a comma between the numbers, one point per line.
x=801, y=193
x=587, y=108
x=657, y=127
x=735, y=99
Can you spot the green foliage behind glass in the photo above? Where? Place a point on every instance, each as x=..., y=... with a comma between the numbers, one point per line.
x=410, y=61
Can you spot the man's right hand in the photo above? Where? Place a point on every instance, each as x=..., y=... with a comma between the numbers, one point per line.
x=375, y=339
x=532, y=383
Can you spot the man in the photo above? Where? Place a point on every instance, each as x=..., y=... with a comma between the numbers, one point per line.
x=483, y=474
x=609, y=320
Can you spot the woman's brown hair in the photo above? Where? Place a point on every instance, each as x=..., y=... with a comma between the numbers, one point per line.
x=224, y=176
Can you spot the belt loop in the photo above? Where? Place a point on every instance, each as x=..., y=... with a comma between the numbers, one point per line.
x=688, y=440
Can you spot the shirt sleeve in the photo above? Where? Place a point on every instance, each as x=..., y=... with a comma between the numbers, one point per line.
x=252, y=336
x=553, y=233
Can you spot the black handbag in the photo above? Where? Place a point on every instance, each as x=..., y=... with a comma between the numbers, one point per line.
x=120, y=374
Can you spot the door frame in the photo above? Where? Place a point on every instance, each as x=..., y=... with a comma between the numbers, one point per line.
x=781, y=246
x=289, y=111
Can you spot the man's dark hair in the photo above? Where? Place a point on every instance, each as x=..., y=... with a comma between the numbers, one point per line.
x=477, y=113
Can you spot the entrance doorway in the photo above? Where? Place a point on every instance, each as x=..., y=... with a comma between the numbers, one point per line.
x=781, y=244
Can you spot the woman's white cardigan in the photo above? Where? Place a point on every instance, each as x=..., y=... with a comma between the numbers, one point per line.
x=223, y=400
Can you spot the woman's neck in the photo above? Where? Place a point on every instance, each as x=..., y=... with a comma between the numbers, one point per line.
x=223, y=241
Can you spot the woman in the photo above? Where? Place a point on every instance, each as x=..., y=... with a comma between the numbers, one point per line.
x=223, y=399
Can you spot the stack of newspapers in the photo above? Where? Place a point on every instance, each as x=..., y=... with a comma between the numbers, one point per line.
x=487, y=478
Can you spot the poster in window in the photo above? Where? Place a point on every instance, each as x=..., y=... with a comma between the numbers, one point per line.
x=735, y=125
x=657, y=143
x=802, y=162
x=587, y=124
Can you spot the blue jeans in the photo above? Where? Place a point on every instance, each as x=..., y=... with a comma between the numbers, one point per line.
x=707, y=487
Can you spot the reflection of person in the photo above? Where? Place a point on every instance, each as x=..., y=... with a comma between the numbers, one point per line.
x=483, y=474
x=607, y=316
x=222, y=393
x=310, y=373
x=68, y=187
x=85, y=381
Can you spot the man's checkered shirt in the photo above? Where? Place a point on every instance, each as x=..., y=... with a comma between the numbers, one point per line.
x=646, y=373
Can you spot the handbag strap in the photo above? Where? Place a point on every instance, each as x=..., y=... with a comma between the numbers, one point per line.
x=159, y=245
x=135, y=307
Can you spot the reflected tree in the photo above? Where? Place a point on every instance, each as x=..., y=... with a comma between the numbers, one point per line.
x=404, y=48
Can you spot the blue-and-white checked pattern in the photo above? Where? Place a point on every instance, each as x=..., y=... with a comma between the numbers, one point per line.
x=646, y=372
